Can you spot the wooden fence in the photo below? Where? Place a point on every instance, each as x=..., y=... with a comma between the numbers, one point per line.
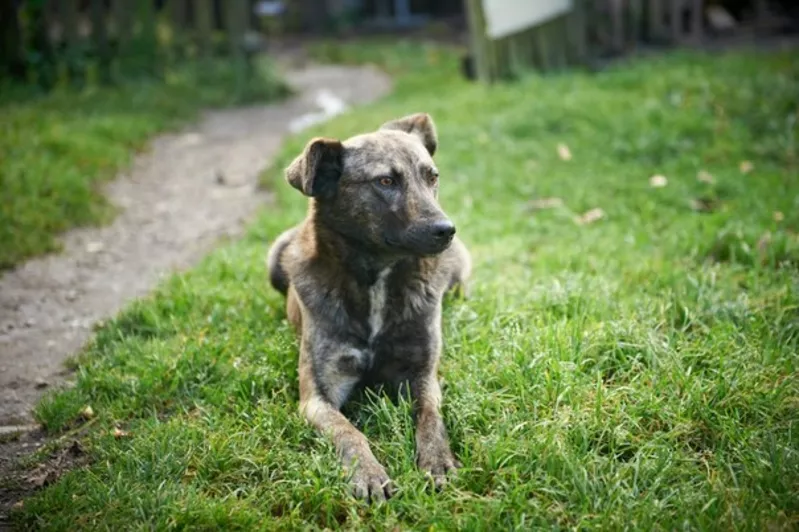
x=106, y=39
x=589, y=30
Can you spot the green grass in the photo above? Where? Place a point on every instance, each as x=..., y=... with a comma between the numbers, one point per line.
x=57, y=149
x=637, y=372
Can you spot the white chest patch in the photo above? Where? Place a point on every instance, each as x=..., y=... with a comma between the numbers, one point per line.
x=377, y=303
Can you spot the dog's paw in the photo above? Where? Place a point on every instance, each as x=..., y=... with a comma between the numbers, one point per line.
x=437, y=462
x=371, y=482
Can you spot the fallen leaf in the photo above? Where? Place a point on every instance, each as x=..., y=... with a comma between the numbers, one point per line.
x=17, y=505
x=746, y=167
x=658, y=181
x=705, y=177
x=94, y=247
x=564, y=153
x=778, y=216
x=591, y=216
x=87, y=412
x=544, y=203
x=119, y=433
x=39, y=478
x=703, y=204
x=763, y=242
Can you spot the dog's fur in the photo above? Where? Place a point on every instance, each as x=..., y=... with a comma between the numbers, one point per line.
x=364, y=275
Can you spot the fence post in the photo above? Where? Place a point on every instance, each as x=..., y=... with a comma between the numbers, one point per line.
x=480, y=43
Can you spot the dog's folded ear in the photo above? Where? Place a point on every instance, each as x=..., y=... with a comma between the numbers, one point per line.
x=317, y=170
x=420, y=125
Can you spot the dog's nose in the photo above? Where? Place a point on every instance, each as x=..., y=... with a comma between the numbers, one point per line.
x=443, y=230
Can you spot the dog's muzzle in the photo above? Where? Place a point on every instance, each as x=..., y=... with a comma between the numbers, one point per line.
x=427, y=239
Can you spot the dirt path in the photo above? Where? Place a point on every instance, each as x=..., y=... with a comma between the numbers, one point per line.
x=176, y=201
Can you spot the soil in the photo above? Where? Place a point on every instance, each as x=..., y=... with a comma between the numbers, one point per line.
x=177, y=200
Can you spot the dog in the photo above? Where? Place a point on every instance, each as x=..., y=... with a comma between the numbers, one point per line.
x=364, y=277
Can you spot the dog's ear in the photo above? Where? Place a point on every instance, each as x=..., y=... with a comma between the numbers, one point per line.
x=317, y=170
x=420, y=125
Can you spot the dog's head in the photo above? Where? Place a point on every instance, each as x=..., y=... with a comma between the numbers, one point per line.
x=379, y=189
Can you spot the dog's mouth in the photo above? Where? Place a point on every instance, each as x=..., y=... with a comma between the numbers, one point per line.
x=420, y=248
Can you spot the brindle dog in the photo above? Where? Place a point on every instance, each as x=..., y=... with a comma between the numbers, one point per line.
x=364, y=275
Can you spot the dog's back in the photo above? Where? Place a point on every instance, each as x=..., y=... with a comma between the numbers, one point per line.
x=278, y=277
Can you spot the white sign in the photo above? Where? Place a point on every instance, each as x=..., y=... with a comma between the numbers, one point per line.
x=505, y=17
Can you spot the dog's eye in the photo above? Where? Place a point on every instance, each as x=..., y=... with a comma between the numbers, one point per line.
x=433, y=177
x=386, y=181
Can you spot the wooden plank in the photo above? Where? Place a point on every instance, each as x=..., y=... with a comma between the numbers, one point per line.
x=175, y=11
x=100, y=41
x=38, y=24
x=544, y=50
x=69, y=18
x=123, y=14
x=697, y=21
x=147, y=39
x=204, y=19
x=236, y=24
x=178, y=14
x=560, y=44
x=616, y=26
x=577, y=32
x=655, y=20
x=516, y=61
x=635, y=11
x=675, y=21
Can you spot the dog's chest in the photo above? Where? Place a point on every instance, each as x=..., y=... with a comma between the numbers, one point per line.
x=378, y=297
x=397, y=317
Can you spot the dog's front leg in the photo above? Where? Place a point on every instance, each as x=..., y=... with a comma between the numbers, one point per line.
x=369, y=477
x=433, y=454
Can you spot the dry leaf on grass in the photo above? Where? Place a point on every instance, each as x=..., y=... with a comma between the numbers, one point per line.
x=704, y=204
x=87, y=412
x=764, y=242
x=544, y=203
x=658, y=181
x=591, y=216
x=40, y=477
x=705, y=177
x=564, y=153
x=778, y=216
x=746, y=167
x=119, y=433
